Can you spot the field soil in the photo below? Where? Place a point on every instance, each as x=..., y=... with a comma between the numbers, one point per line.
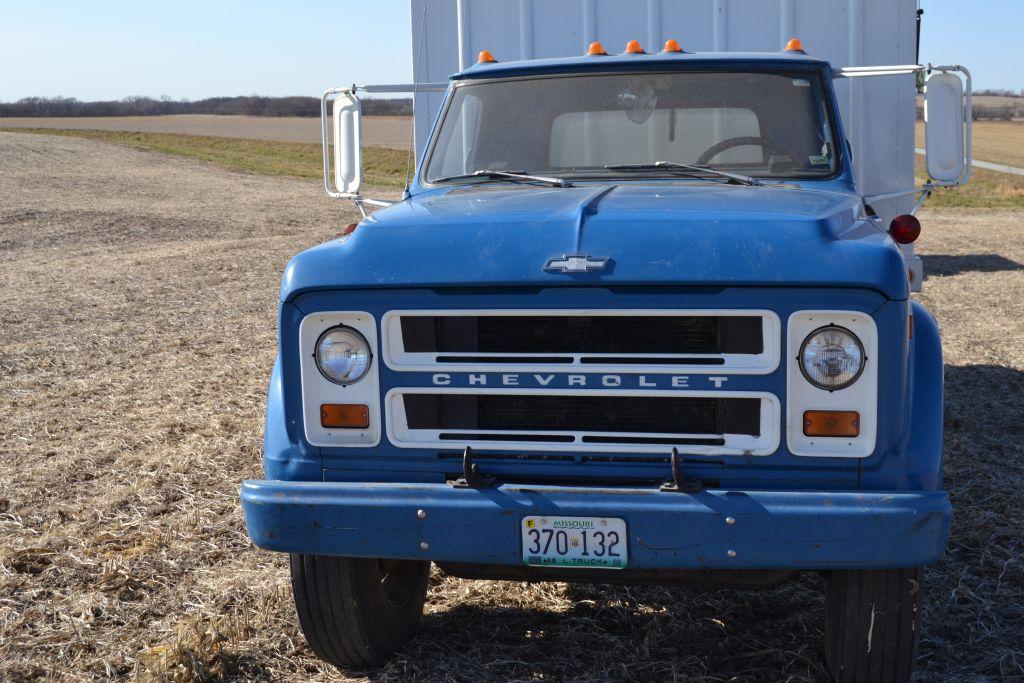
x=378, y=131
x=138, y=334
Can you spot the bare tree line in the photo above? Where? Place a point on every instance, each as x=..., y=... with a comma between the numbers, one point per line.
x=255, y=105
x=981, y=112
x=251, y=105
x=999, y=92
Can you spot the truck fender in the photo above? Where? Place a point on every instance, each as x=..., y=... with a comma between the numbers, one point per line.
x=924, y=443
x=286, y=455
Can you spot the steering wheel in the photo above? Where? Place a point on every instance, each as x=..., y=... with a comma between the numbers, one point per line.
x=729, y=143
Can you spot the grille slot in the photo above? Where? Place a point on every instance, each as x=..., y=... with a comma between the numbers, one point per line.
x=583, y=334
x=468, y=436
x=660, y=440
x=537, y=414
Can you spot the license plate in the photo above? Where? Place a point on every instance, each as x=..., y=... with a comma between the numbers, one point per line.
x=575, y=542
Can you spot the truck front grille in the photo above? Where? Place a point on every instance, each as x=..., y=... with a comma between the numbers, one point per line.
x=463, y=378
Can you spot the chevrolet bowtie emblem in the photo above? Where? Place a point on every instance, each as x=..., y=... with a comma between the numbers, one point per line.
x=575, y=263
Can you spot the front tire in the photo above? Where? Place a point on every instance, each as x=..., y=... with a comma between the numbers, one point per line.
x=354, y=612
x=873, y=623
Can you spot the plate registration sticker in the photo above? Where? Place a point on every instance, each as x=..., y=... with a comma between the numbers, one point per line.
x=575, y=542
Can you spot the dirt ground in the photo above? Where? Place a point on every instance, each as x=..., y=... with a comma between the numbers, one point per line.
x=378, y=131
x=138, y=330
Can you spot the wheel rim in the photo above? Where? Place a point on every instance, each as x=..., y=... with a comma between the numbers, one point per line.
x=397, y=580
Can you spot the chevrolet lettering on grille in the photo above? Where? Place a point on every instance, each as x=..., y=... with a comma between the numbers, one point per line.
x=562, y=381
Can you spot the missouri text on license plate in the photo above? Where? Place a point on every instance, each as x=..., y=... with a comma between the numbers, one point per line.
x=575, y=542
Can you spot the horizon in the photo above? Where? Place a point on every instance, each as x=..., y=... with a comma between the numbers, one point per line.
x=192, y=51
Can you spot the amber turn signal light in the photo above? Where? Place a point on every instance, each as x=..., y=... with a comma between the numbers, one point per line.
x=672, y=45
x=344, y=415
x=831, y=423
x=794, y=45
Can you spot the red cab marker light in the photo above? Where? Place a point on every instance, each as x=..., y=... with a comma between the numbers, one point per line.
x=633, y=48
x=794, y=45
x=485, y=57
x=596, y=50
x=672, y=45
x=348, y=229
x=905, y=229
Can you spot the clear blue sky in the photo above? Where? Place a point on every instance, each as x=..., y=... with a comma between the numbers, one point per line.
x=109, y=49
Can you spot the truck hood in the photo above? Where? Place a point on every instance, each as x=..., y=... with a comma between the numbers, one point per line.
x=700, y=234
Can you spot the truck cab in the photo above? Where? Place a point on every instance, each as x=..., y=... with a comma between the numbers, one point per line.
x=632, y=322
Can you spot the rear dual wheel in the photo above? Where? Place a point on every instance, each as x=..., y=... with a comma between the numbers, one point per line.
x=873, y=623
x=354, y=612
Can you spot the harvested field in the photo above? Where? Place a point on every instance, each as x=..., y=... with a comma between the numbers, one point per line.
x=378, y=131
x=1001, y=142
x=138, y=335
x=996, y=141
x=382, y=167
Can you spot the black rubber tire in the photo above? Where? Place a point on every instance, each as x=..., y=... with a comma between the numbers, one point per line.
x=873, y=624
x=350, y=614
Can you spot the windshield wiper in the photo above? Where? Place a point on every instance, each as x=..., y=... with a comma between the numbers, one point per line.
x=692, y=170
x=508, y=175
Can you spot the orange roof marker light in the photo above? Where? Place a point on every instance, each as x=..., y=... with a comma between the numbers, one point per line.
x=794, y=45
x=672, y=45
x=633, y=48
x=485, y=57
x=596, y=50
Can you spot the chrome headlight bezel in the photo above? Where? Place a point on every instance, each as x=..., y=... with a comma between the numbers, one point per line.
x=359, y=339
x=845, y=384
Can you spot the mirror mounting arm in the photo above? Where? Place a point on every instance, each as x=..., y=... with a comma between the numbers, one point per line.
x=349, y=92
x=932, y=184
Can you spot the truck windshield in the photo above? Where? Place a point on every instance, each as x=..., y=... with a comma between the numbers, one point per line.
x=760, y=124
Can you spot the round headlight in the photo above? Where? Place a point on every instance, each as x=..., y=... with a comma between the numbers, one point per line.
x=343, y=355
x=832, y=358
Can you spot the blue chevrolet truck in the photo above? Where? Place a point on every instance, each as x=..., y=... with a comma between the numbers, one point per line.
x=631, y=322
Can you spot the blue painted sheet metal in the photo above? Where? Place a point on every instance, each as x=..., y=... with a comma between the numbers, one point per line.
x=286, y=453
x=806, y=530
x=924, y=436
x=691, y=233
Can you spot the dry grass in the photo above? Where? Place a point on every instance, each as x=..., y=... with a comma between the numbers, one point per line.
x=381, y=166
x=985, y=190
x=378, y=131
x=388, y=167
x=138, y=335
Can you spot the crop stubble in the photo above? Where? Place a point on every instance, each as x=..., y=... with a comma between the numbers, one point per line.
x=138, y=328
